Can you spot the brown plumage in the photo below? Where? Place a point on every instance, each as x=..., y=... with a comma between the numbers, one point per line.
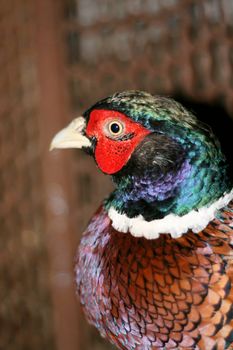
x=166, y=293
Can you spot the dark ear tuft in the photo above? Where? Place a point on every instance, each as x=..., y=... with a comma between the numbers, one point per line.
x=157, y=152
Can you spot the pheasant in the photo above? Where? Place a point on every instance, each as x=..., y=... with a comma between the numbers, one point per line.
x=154, y=269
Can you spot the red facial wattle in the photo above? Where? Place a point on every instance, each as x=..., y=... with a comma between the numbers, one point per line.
x=112, y=154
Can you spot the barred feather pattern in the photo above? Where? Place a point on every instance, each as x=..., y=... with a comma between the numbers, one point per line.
x=164, y=293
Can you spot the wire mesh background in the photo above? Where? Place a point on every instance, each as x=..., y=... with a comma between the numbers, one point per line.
x=71, y=53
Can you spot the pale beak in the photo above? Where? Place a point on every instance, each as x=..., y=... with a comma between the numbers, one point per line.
x=71, y=136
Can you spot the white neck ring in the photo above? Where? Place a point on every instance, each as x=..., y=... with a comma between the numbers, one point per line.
x=195, y=220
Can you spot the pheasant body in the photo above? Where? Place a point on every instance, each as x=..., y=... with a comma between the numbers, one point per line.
x=154, y=268
x=161, y=294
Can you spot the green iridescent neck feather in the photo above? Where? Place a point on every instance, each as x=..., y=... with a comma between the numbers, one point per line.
x=177, y=168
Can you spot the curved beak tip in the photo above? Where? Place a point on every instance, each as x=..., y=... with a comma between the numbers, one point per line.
x=71, y=136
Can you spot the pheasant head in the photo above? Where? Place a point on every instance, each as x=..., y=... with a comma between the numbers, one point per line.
x=168, y=167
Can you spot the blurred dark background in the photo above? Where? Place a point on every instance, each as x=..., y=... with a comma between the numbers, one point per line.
x=57, y=57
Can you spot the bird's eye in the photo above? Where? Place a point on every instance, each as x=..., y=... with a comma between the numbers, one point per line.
x=115, y=128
